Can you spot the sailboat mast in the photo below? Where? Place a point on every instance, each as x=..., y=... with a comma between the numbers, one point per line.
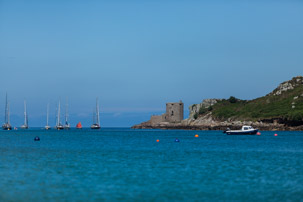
x=8, y=121
x=25, y=114
x=5, y=114
x=66, y=112
x=97, y=111
x=58, y=116
x=47, y=111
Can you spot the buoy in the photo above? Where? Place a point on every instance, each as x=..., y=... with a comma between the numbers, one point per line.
x=37, y=138
x=196, y=135
x=258, y=133
x=177, y=140
x=276, y=134
x=158, y=140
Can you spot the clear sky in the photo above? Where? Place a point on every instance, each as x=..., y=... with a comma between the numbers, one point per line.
x=137, y=55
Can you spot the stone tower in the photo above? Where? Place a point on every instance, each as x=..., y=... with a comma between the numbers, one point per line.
x=174, y=112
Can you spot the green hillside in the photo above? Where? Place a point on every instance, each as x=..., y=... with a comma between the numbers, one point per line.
x=284, y=104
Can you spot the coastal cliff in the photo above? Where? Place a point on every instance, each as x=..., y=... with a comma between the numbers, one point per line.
x=282, y=109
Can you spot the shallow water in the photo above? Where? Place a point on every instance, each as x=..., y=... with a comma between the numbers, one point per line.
x=122, y=164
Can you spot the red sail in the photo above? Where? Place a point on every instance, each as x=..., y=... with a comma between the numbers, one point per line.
x=79, y=125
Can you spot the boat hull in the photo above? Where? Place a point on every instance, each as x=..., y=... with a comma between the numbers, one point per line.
x=24, y=127
x=6, y=126
x=59, y=127
x=251, y=132
x=95, y=126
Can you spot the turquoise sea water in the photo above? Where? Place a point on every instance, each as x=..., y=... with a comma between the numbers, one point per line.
x=123, y=164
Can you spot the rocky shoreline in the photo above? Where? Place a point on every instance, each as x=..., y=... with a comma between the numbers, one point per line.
x=218, y=126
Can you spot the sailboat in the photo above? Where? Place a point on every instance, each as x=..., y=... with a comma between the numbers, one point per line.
x=25, y=125
x=47, y=127
x=59, y=126
x=6, y=125
x=66, y=125
x=79, y=125
x=96, y=124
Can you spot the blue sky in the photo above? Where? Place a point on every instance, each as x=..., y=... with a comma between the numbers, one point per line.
x=137, y=55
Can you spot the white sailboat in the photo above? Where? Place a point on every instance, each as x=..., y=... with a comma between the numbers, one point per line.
x=66, y=125
x=96, y=124
x=59, y=126
x=47, y=127
x=25, y=125
x=6, y=125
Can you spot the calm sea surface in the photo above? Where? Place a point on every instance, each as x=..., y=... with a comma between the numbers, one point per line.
x=123, y=164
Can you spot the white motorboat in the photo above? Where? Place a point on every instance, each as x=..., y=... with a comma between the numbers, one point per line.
x=246, y=130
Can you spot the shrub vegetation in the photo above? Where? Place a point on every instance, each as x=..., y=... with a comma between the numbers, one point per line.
x=267, y=107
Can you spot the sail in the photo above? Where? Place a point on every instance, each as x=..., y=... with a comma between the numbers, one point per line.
x=79, y=125
x=94, y=116
x=66, y=114
x=25, y=115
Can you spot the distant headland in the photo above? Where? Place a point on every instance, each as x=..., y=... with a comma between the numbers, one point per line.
x=282, y=109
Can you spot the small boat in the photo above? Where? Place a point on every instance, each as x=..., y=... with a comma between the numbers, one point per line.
x=59, y=126
x=79, y=125
x=7, y=125
x=246, y=130
x=96, y=123
x=25, y=125
x=47, y=127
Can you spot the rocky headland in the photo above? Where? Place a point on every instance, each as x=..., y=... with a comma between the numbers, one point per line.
x=282, y=109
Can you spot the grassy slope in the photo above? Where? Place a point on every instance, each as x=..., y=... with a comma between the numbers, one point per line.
x=266, y=107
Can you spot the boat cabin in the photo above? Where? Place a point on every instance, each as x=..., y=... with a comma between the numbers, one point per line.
x=244, y=128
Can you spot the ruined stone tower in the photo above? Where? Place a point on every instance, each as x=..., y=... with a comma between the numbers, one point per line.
x=174, y=112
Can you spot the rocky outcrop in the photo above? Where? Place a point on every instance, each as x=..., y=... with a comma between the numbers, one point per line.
x=288, y=85
x=205, y=104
